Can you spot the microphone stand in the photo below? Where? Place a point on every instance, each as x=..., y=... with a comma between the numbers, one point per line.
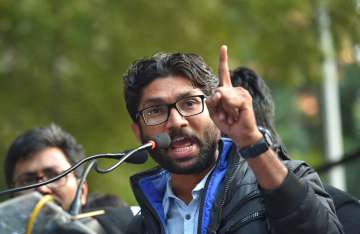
x=64, y=173
x=76, y=203
x=113, y=167
x=161, y=141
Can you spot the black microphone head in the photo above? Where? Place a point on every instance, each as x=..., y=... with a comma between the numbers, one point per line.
x=139, y=157
x=162, y=141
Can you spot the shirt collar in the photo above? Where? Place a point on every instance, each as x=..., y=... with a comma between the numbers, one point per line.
x=169, y=194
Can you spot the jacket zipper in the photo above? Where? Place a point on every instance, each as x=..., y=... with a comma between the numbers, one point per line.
x=242, y=202
x=228, y=178
x=251, y=217
x=201, y=206
x=227, y=182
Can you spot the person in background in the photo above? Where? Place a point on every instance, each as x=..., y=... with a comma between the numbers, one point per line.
x=347, y=207
x=205, y=183
x=42, y=153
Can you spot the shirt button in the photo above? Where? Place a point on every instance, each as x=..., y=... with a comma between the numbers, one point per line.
x=187, y=216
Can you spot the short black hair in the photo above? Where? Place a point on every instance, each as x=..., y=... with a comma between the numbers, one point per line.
x=37, y=139
x=142, y=72
x=263, y=104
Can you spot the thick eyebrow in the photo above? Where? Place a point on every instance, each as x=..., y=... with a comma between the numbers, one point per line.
x=158, y=100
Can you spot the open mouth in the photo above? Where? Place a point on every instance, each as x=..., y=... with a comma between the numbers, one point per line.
x=183, y=146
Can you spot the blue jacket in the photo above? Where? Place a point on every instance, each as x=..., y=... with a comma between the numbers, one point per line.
x=232, y=201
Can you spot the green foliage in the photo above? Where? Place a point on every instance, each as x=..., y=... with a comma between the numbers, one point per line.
x=62, y=61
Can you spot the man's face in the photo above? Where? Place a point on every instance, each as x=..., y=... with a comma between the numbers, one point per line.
x=44, y=164
x=193, y=139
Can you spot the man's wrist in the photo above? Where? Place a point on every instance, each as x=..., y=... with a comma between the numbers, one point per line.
x=254, y=150
x=249, y=139
x=258, y=147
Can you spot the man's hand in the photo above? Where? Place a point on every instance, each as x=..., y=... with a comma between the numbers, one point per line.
x=232, y=111
x=231, y=107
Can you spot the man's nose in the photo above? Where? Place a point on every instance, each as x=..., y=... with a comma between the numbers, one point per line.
x=176, y=119
x=44, y=189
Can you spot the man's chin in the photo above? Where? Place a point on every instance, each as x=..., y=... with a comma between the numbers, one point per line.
x=186, y=160
x=185, y=166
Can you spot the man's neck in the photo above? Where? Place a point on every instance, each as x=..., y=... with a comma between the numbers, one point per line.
x=182, y=185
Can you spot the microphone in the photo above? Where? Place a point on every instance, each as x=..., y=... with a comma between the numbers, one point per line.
x=139, y=157
x=160, y=141
x=136, y=156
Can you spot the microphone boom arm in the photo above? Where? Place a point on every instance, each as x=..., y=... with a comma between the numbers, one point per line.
x=160, y=141
x=113, y=167
x=64, y=173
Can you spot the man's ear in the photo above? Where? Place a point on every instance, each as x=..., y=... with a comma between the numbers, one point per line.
x=84, y=193
x=136, y=130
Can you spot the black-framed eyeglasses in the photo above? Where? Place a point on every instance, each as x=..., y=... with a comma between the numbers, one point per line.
x=158, y=114
x=36, y=177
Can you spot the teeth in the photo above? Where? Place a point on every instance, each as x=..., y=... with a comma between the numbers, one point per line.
x=183, y=149
x=178, y=139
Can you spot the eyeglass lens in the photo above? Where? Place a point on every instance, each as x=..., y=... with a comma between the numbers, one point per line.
x=188, y=106
x=32, y=178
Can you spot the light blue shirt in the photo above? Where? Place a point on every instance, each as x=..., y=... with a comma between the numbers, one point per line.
x=180, y=217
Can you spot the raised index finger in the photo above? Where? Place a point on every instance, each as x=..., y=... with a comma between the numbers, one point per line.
x=224, y=73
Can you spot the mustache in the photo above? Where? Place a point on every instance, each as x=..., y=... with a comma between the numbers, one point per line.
x=175, y=133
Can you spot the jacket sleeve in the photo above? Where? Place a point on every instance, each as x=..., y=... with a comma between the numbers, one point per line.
x=300, y=204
